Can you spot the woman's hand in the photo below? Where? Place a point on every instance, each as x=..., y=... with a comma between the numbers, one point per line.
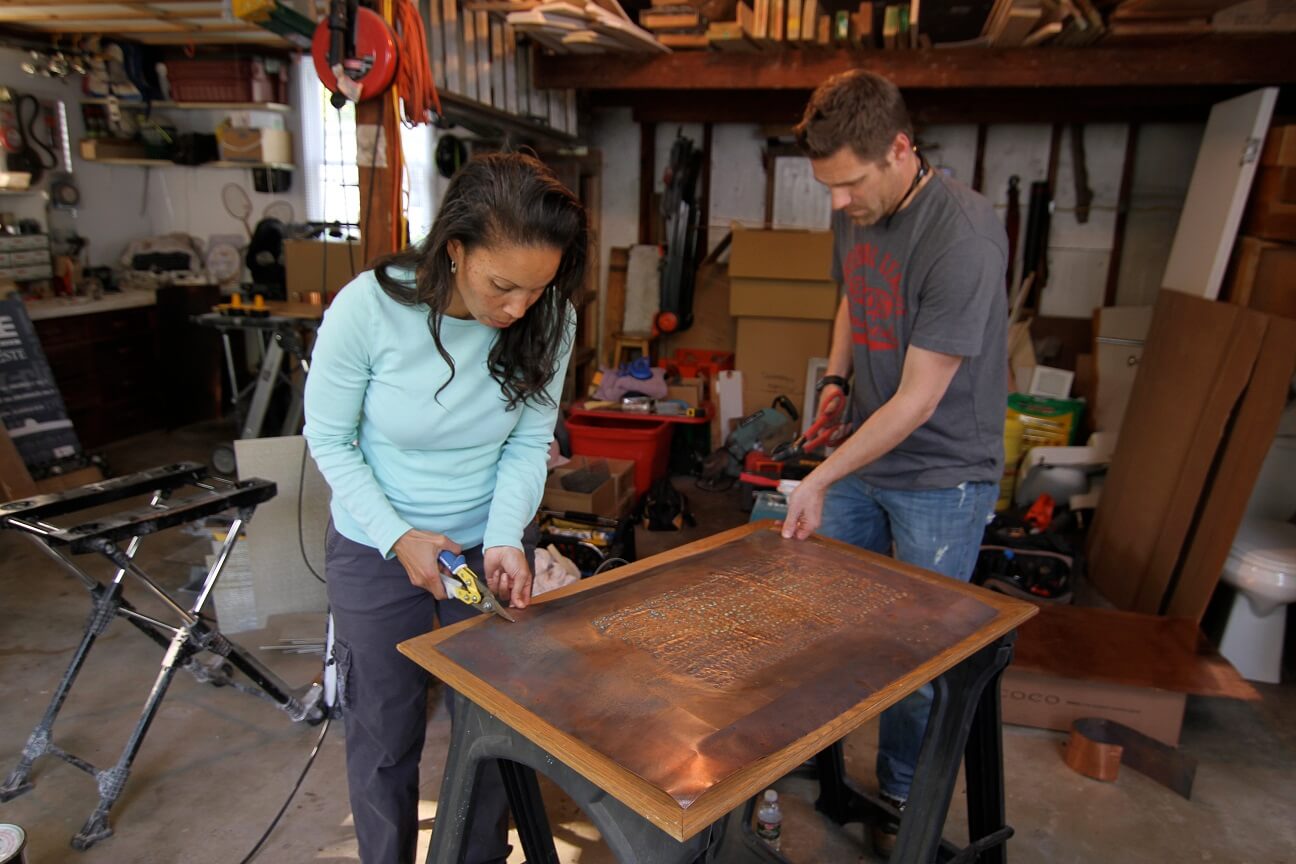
x=417, y=552
x=508, y=575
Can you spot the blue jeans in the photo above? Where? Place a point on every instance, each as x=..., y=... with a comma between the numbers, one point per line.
x=936, y=529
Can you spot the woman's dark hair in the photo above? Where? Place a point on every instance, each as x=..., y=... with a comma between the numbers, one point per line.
x=498, y=199
x=856, y=109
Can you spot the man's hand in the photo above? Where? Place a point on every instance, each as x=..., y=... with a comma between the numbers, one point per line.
x=832, y=402
x=417, y=552
x=805, y=509
x=508, y=576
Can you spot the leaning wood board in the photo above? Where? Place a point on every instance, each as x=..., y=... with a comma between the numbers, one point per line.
x=686, y=683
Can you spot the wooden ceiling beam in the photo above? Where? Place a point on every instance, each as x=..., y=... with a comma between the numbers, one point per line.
x=1014, y=105
x=1217, y=60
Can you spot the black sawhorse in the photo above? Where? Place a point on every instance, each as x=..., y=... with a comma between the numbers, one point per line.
x=195, y=632
x=964, y=725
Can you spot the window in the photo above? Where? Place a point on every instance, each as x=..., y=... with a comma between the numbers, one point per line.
x=332, y=180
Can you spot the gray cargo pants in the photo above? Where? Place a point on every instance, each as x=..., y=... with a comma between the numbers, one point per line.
x=384, y=702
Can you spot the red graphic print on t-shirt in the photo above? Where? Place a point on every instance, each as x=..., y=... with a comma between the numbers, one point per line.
x=873, y=286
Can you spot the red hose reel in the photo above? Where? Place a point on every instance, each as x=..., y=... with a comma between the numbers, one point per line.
x=370, y=72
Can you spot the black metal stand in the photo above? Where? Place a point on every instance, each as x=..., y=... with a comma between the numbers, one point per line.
x=194, y=634
x=964, y=724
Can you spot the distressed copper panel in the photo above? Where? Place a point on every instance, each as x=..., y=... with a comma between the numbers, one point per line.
x=697, y=668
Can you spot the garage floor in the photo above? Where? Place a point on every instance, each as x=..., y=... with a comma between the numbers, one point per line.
x=217, y=764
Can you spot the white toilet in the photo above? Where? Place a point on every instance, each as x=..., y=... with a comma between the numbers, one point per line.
x=1262, y=564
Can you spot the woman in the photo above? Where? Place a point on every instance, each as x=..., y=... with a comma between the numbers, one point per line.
x=430, y=405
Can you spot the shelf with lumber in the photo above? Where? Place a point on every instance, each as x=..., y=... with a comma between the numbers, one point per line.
x=488, y=121
x=1202, y=62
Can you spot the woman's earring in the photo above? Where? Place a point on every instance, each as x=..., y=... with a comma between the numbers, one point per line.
x=454, y=266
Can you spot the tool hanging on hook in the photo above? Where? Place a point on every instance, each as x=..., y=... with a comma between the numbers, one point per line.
x=355, y=53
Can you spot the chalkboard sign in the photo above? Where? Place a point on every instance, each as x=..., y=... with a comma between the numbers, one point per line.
x=31, y=406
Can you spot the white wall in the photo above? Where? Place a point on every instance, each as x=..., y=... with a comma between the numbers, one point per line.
x=1163, y=167
x=121, y=203
x=1079, y=253
x=616, y=135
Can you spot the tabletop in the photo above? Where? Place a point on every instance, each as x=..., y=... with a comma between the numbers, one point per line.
x=687, y=682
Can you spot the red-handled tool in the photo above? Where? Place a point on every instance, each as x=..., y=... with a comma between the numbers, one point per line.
x=825, y=429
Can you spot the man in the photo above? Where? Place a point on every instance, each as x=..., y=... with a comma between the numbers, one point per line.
x=922, y=325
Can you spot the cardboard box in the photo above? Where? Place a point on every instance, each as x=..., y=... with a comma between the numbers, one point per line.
x=1264, y=276
x=772, y=356
x=254, y=145
x=1271, y=209
x=1073, y=661
x=306, y=263
x=93, y=149
x=691, y=391
x=607, y=500
x=1280, y=147
x=783, y=298
x=768, y=254
x=1045, y=701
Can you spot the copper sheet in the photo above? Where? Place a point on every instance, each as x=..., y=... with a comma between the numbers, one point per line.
x=692, y=670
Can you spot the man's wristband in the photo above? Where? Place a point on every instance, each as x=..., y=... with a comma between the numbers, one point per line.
x=835, y=380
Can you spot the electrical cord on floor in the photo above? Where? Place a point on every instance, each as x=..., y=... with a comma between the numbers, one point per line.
x=310, y=760
x=599, y=569
x=301, y=529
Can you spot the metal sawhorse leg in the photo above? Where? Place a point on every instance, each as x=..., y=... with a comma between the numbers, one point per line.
x=478, y=736
x=194, y=634
x=964, y=725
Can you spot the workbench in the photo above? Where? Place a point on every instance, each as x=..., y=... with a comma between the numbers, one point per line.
x=283, y=331
x=664, y=695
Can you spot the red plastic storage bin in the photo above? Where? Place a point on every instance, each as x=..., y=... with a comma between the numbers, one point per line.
x=646, y=441
x=240, y=79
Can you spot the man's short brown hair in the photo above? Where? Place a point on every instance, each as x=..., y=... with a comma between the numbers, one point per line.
x=856, y=109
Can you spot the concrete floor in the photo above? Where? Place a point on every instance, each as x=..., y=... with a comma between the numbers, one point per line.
x=217, y=764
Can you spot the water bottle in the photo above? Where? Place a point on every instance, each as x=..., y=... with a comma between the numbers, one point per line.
x=769, y=819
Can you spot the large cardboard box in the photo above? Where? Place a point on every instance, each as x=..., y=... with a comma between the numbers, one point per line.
x=611, y=499
x=798, y=255
x=783, y=298
x=254, y=145
x=1071, y=662
x=691, y=391
x=1271, y=209
x=1280, y=147
x=1264, y=276
x=316, y=266
x=1044, y=701
x=772, y=355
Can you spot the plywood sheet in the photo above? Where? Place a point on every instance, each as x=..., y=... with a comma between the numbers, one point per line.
x=1225, y=500
x=1196, y=363
x=685, y=683
x=1128, y=649
x=295, y=519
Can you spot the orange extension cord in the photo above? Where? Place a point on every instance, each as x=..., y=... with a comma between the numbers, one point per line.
x=413, y=71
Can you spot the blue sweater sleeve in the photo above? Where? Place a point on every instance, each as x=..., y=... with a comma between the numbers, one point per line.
x=523, y=463
x=335, y=392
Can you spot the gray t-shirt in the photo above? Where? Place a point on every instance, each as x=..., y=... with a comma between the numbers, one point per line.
x=933, y=278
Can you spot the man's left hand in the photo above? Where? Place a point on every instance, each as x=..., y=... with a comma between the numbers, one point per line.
x=508, y=576
x=805, y=509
